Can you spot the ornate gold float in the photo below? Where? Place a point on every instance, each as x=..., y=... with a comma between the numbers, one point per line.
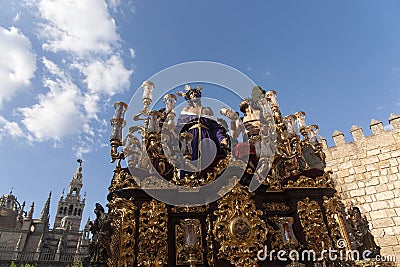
x=294, y=209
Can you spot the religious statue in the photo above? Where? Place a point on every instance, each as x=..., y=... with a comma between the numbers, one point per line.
x=201, y=123
x=250, y=125
x=132, y=148
x=364, y=240
x=210, y=141
x=99, y=249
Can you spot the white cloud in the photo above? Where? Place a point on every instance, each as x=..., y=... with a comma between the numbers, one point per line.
x=133, y=53
x=87, y=129
x=17, y=62
x=10, y=128
x=58, y=113
x=91, y=105
x=81, y=150
x=81, y=80
x=55, y=116
x=84, y=146
x=77, y=26
x=113, y=4
x=267, y=73
x=16, y=18
x=131, y=7
x=109, y=77
x=29, y=3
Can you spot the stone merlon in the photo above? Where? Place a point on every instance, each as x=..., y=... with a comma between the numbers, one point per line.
x=394, y=120
x=357, y=133
x=338, y=138
x=376, y=127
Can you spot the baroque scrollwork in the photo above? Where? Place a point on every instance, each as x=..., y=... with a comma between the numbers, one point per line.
x=273, y=181
x=153, y=247
x=195, y=180
x=122, y=214
x=210, y=244
x=336, y=224
x=193, y=209
x=274, y=236
x=303, y=181
x=122, y=179
x=324, y=180
x=275, y=206
x=233, y=229
x=238, y=228
x=312, y=221
x=369, y=263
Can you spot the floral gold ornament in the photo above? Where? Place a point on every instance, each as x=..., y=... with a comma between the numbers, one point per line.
x=209, y=242
x=293, y=206
x=123, y=179
x=274, y=206
x=153, y=247
x=194, y=180
x=123, y=236
x=195, y=209
x=336, y=222
x=314, y=227
x=238, y=228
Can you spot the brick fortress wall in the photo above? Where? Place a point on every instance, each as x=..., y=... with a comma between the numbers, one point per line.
x=367, y=173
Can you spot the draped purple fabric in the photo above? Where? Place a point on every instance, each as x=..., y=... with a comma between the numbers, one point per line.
x=202, y=127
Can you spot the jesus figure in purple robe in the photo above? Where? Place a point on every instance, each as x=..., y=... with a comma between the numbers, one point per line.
x=210, y=141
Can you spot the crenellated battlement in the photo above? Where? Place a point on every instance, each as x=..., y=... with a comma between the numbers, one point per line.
x=367, y=173
x=357, y=133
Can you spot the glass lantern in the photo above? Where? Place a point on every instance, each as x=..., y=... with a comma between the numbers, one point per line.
x=300, y=118
x=290, y=122
x=312, y=134
x=148, y=88
x=192, y=240
x=288, y=237
x=271, y=96
x=118, y=122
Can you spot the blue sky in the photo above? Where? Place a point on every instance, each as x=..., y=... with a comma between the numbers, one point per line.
x=64, y=63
